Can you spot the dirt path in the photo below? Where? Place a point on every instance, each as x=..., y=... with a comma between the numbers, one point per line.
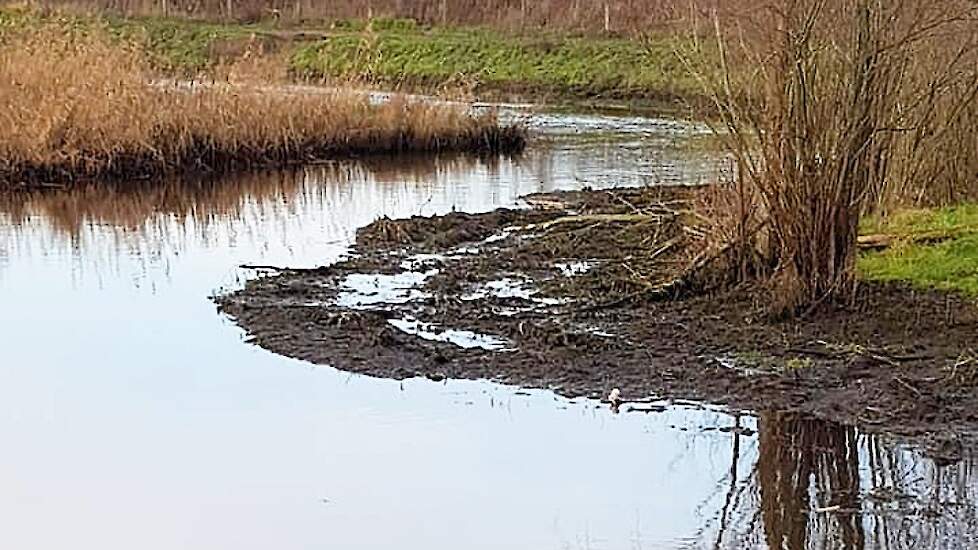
x=559, y=298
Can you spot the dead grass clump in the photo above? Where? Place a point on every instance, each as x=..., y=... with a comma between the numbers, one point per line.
x=80, y=106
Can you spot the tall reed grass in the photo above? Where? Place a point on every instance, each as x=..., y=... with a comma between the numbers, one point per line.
x=81, y=106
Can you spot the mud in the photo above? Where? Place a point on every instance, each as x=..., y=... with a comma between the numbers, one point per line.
x=568, y=296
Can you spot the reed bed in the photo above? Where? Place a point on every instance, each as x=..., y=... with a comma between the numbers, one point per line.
x=79, y=106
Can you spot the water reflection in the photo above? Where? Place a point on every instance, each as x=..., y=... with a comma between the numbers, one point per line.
x=128, y=407
x=821, y=485
x=154, y=222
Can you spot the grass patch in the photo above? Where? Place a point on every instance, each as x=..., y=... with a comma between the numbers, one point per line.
x=564, y=65
x=946, y=258
x=177, y=45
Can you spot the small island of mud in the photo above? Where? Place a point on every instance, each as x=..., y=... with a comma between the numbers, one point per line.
x=574, y=295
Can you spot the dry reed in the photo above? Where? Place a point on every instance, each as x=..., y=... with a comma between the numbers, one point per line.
x=80, y=106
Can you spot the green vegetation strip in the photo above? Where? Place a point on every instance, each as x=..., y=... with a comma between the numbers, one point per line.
x=932, y=249
x=577, y=66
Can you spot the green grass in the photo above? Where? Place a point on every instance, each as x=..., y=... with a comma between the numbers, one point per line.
x=560, y=64
x=178, y=45
x=951, y=263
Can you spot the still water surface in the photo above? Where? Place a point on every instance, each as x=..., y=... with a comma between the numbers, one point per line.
x=132, y=415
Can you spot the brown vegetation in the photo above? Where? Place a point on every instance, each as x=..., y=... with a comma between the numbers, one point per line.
x=850, y=106
x=82, y=107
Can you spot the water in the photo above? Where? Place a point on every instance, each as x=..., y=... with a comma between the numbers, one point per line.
x=132, y=415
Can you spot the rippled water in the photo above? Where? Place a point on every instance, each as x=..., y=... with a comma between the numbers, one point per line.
x=132, y=415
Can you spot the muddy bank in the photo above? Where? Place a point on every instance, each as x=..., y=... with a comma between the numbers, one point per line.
x=572, y=295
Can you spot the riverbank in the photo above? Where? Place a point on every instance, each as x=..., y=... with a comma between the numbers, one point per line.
x=560, y=297
x=79, y=107
x=479, y=62
x=401, y=54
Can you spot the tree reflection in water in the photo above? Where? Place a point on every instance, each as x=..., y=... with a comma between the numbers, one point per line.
x=817, y=485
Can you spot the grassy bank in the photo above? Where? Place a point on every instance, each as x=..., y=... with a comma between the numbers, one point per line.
x=80, y=106
x=401, y=54
x=927, y=248
x=484, y=61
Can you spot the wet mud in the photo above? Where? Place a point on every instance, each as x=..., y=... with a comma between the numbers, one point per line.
x=572, y=294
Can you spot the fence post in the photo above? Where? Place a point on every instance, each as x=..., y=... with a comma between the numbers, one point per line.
x=607, y=17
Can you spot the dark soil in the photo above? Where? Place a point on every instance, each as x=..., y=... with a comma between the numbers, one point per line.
x=897, y=360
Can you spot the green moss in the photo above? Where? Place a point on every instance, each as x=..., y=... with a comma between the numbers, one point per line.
x=948, y=263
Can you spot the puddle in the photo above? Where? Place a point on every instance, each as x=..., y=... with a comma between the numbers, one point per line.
x=511, y=289
x=462, y=338
x=502, y=288
x=128, y=407
x=363, y=291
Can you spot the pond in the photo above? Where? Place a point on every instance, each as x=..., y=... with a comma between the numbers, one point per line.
x=133, y=415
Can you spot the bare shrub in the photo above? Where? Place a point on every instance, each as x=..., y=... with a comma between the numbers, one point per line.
x=829, y=108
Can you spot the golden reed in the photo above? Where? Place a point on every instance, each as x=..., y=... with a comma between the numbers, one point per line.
x=83, y=107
